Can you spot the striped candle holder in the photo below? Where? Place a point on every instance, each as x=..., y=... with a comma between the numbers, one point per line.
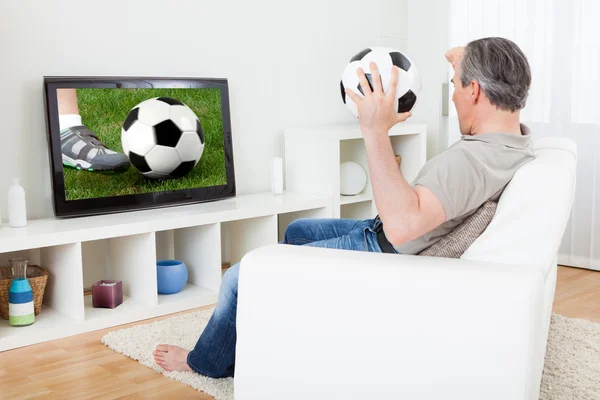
x=20, y=303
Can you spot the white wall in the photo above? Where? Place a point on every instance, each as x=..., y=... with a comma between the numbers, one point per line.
x=393, y=21
x=283, y=60
x=427, y=41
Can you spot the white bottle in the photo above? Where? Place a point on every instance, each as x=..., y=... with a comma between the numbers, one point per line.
x=277, y=175
x=17, y=211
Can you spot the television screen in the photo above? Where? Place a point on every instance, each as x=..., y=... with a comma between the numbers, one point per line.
x=119, y=144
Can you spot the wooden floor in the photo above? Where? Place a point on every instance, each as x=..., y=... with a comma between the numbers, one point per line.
x=577, y=293
x=81, y=367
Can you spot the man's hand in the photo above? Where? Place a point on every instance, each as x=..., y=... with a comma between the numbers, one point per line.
x=454, y=55
x=376, y=112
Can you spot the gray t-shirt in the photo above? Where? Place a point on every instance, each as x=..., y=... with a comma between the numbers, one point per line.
x=472, y=171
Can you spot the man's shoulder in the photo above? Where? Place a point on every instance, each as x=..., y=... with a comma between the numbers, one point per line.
x=475, y=149
x=460, y=149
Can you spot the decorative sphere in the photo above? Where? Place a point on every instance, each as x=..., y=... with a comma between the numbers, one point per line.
x=353, y=178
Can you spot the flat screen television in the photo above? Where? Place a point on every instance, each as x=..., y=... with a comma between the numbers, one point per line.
x=130, y=143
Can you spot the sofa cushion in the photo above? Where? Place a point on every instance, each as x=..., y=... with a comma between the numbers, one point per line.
x=455, y=243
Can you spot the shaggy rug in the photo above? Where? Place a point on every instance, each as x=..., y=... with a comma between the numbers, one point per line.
x=571, y=371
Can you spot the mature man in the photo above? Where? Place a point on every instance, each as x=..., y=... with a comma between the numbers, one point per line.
x=492, y=79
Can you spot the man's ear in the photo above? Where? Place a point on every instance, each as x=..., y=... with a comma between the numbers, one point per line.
x=474, y=92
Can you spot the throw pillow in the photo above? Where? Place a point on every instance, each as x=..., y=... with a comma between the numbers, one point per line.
x=455, y=243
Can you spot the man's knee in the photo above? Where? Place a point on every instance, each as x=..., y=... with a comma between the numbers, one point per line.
x=298, y=224
x=230, y=279
x=296, y=227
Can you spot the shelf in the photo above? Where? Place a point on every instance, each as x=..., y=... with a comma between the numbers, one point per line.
x=52, y=231
x=49, y=324
x=356, y=198
x=128, y=306
x=351, y=131
x=191, y=296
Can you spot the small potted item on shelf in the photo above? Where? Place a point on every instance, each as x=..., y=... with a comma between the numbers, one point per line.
x=107, y=294
x=172, y=275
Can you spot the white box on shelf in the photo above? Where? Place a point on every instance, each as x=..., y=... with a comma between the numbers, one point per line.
x=277, y=175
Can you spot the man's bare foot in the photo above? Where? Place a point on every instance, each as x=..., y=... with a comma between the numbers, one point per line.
x=171, y=358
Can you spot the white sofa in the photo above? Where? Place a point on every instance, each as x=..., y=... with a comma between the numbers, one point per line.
x=333, y=324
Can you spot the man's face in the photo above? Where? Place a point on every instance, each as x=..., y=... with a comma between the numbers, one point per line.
x=462, y=102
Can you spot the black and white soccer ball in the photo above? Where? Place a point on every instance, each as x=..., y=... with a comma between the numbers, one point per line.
x=409, y=81
x=163, y=138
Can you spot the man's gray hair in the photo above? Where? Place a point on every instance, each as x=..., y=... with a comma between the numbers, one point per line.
x=500, y=68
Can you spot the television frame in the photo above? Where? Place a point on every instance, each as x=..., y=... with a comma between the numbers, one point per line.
x=133, y=202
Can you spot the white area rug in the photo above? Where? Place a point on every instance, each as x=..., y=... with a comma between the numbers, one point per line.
x=183, y=330
x=572, y=369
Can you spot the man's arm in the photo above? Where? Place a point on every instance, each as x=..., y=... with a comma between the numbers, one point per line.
x=406, y=213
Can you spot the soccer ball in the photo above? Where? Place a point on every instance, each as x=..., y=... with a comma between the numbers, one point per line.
x=163, y=138
x=409, y=81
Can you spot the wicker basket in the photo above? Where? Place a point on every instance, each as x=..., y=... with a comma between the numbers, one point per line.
x=37, y=279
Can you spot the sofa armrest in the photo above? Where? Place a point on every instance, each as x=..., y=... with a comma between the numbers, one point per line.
x=323, y=324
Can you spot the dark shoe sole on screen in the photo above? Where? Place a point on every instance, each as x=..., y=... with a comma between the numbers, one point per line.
x=99, y=163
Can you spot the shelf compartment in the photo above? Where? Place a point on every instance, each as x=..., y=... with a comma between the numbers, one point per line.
x=130, y=259
x=198, y=248
x=283, y=220
x=241, y=236
x=355, y=199
x=49, y=324
x=358, y=211
x=62, y=306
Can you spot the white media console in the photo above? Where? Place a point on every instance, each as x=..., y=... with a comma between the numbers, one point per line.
x=126, y=246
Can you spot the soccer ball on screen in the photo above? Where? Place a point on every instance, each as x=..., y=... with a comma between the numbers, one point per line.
x=409, y=81
x=163, y=138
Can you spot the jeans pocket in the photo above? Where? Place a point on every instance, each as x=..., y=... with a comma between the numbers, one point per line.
x=372, y=241
x=370, y=232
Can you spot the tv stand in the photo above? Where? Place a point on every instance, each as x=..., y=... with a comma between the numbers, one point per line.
x=204, y=236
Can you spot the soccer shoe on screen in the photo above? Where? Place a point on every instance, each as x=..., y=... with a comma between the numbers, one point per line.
x=81, y=149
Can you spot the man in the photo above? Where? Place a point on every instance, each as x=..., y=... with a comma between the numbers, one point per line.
x=492, y=79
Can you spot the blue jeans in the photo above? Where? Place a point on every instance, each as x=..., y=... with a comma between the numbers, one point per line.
x=214, y=353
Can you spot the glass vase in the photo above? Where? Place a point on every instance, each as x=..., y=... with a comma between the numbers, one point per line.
x=20, y=296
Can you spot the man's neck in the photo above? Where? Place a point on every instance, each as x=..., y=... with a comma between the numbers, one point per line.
x=498, y=121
